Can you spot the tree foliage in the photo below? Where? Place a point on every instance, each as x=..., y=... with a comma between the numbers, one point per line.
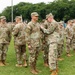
x=61, y=9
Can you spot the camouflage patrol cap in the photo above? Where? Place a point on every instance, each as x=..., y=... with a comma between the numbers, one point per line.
x=2, y=17
x=70, y=21
x=34, y=14
x=49, y=15
x=20, y=17
x=61, y=23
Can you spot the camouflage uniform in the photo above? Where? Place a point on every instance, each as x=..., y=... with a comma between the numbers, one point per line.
x=73, y=39
x=61, y=40
x=52, y=33
x=5, y=35
x=45, y=45
x=19, y=42
x=11, y=26
x=69, y=35
x=33, y=35
x=46, y=50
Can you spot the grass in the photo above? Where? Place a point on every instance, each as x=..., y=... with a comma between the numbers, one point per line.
x=66, y=67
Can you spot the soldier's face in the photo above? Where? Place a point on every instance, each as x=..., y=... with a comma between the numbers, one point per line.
x=71, y=23
x=3, y=20
x=50, y=19
x=35, y=18
x=61, y=26
x=17, y=20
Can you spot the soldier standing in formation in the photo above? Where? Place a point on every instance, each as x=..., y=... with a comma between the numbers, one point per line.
x=61, y=41
x=73, y=39
x=5, y=34
x=33, y=41
x=19, y=42
x=45, y=45
x=69, y=35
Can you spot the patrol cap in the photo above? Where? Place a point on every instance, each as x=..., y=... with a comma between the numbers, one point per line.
x=20, y=17
x=49, y=15
x=3, y=17
x=61, y=23
x=70, y=21
x=34, y=14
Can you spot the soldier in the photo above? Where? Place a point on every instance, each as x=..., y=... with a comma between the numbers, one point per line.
x=52, y=38
x=69, y=35
x=46, y=50
x=33, y=41
x=4, y=40
x=61, y=41
x=73, y=39
x=19, y=42
x=45, y=45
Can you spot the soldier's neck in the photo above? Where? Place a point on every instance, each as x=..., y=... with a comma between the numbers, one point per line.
x=3, y=23
x=34, y=21
x=19, y=22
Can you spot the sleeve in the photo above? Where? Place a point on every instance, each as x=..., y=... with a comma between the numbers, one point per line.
x=15, y=31
x=67, y=33
x=27, y=34
x=9, y=32
x=50, y=29
x=10, y=35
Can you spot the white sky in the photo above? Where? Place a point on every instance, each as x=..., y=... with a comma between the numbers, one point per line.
x=5, y=3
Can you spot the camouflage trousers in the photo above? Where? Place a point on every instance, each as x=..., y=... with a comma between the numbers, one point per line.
x=3, y=51
x=73, y=44
x=34, y=51
x=53, y=56
x=60, y=49
x=20, y=53
x=46, y=50
x=68, y=45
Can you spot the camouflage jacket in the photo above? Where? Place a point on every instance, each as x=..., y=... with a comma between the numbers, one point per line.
x=61, y=34
x=5, y=33
x=52, y=31
x=11, y=26
x=74, y=32
x=69, y=32
x=33, y=34
x=19, y=34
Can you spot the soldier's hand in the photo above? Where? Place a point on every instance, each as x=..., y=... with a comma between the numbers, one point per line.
x=29, y=47
x=41, y=27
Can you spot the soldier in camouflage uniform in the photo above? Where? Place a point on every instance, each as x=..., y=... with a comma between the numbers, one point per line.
x=4, y=40
x=46, y=50
x=19, y=42
x=61, y=41
x=52, y=38
x=69, y=35
x=73, y=39
x=45, y=45
x=33, y=41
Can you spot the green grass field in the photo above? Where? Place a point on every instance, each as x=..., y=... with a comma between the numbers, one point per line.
x=66, y=67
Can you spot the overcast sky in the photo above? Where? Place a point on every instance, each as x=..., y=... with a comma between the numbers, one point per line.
x=5, y=3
